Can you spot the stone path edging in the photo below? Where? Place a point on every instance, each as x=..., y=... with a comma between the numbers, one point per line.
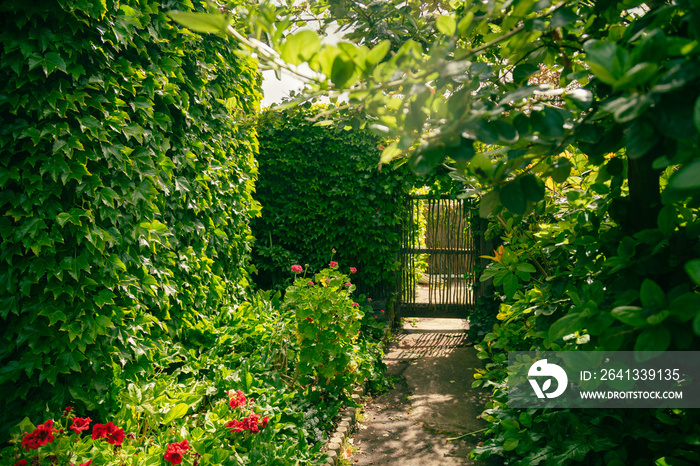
x=344, y=429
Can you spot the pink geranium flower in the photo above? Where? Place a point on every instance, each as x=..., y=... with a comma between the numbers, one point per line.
x=353, y=270
x=333, y=264
x=297, y=269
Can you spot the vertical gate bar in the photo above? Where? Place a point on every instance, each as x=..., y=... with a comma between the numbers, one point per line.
x=444, y=290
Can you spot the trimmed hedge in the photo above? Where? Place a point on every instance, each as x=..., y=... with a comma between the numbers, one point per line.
x=125, y=198
x=320, y=189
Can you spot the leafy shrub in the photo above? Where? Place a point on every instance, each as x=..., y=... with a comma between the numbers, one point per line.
x=328, y=326
x=125, y=202
x=320, y=189
x=597, y=286
x=232, y=400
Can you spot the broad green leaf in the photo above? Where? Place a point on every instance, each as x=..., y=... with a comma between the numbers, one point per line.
x=600, y=56
x=637, y=76
x=377, y=54
x=567, y=325
x=464, y=152
x=510, y=285
x=685, y=307
x=488, y=203
x=511, y=444
x=630, y=315
x=446, y=24
x=652, y=295
x=522, y=73
x=692, y=268
x=424, y=159
x=300, y=47
x=533, y=187
x=560, y=170
x=343, y=72
x=687, y=177
x=176, y=412
x=200, y=22
x=652, y=340
x=563, y=17
x=526, y=267
x=696, y=114
x=248, y=380
x=513, y=198
x=389, y=153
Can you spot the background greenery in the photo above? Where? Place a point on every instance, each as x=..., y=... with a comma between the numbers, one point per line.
x=320, y=190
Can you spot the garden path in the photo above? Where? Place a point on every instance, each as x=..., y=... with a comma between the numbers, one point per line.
x=431, y=402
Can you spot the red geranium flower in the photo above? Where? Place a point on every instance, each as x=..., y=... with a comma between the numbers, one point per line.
x=21, y=463
x=113, y=434
x=297, y=269
x=80, y=424
x=42, y=435
x=237, y=400
x=353, y=270
x=310, y=319
x=334, y=264
x=175, y=451
x=252, y=423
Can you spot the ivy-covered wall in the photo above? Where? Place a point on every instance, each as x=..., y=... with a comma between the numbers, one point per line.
x=125, y=192
x=320, y=189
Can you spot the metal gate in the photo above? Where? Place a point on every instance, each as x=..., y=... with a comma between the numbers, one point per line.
x=438, y=257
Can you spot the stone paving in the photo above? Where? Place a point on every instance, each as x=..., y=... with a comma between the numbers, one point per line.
x=431, y=402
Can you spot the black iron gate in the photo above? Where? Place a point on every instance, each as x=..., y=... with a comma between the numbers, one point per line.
x=438, y=257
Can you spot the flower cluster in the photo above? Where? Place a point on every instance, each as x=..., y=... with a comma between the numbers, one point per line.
x=80, y=424
x=237, y=399
x=252, y=423
x=333, y=264
x=175, y=452
x=42, y=435
x=297, y=269
x=113, y=434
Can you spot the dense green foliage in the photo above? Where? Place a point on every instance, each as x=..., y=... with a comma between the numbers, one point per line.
x=126, y=186
x=595, y=287
x=253, y=348
x=320, y=189
x=605, y=258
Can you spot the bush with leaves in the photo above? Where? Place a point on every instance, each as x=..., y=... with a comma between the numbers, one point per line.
x=596, y=287
x=126, y=179
x=319, y=188
x=328, y=324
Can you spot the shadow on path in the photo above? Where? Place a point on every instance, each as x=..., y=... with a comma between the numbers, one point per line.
x=431, y=402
